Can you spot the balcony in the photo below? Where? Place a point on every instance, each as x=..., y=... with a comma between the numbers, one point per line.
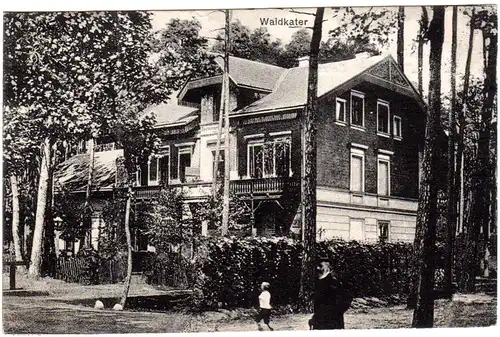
x=258, y=188
x=192, y=190
x=265, y=186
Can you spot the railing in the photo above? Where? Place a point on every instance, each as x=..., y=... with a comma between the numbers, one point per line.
x=262, y=186
x=191, y=189
x=104, y=147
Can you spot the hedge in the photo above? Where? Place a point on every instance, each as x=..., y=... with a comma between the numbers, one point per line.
x=230, y=270
x=168, y=269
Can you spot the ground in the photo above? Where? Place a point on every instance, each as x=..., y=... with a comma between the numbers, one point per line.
x=49, y=311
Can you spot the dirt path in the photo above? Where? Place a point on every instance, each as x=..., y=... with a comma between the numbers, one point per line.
x=465, y=311
x=45, y=314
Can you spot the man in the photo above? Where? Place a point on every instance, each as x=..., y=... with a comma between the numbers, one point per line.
x=331, y=300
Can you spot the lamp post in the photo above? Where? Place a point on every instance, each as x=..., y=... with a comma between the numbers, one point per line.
x=57, y=223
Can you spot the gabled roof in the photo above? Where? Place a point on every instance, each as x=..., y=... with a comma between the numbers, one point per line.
x=252, y=74
x=172, y=114
x=242, y=72
x=72, y=174
x=291, y=91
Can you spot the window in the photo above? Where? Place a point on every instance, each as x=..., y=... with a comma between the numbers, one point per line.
x=384, y=176
x=281, y=157
x=139, y=240
x=255, y=160
x=383, y=231
x=142, y=176
x=357, y=170
x=138, y=177
x=383, y=117
x=340, y=109
x=269, y=159
x=220, y=166
x=216, y=106
x=357, y=109
x=159, y=167
x=397, y=127
x=356, y=229
x=164, y=168
x=153, y=170
x=184, y=160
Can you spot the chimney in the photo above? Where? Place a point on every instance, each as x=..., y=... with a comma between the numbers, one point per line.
x=363, y=55
x=303, y=61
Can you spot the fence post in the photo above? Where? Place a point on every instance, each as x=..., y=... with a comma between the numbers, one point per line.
x=12, y=277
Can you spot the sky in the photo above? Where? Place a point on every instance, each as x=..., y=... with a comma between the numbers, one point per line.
x=212, y=22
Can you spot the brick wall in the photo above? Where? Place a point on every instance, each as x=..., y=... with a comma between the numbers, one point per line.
x=210, y=94
x=334, y=143
x=265, y=128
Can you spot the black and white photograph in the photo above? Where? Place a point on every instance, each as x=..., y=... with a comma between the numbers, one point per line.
x=249, y=169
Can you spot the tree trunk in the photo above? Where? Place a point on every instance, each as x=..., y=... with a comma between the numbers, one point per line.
x=423, y=315
x=15, y=218
x=41, y=207
x=218, y=144
x=225, y=205
x=309, y=179
x=411, y=302
x=481, y=176
x=461, y=123
x=128, y=278
x=401, y=34
x=49, y=245
x=85, y=238
x=451, y=203
x=424, y=20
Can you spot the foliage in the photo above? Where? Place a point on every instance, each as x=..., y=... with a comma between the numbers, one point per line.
x=253, y=45
x=71, y=211
x=167, y=221
x=73, y=75
x=362, y=30
x=231, y=270
x=180, y=52
x=169, y=270
x=211, y=211
x=64, y=67
x=297, y=47
x=112, y=238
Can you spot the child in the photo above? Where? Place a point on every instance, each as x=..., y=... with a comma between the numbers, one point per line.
x=264, y=307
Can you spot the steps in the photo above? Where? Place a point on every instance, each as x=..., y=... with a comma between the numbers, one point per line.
x=486, y=285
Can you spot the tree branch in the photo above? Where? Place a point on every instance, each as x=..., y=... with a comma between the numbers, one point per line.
x=300, y=12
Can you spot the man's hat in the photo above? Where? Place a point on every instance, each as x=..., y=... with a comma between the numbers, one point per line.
x=323, y=258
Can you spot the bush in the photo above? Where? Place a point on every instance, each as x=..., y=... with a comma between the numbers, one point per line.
x=169, y=270
x=231, y=270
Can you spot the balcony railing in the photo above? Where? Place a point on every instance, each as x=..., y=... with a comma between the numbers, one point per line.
x=245, y=187
x=275, y=185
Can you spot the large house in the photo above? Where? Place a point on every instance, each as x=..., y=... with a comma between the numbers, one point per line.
x=370, y=135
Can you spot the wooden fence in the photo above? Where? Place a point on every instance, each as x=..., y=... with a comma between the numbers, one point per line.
x=86, y=271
